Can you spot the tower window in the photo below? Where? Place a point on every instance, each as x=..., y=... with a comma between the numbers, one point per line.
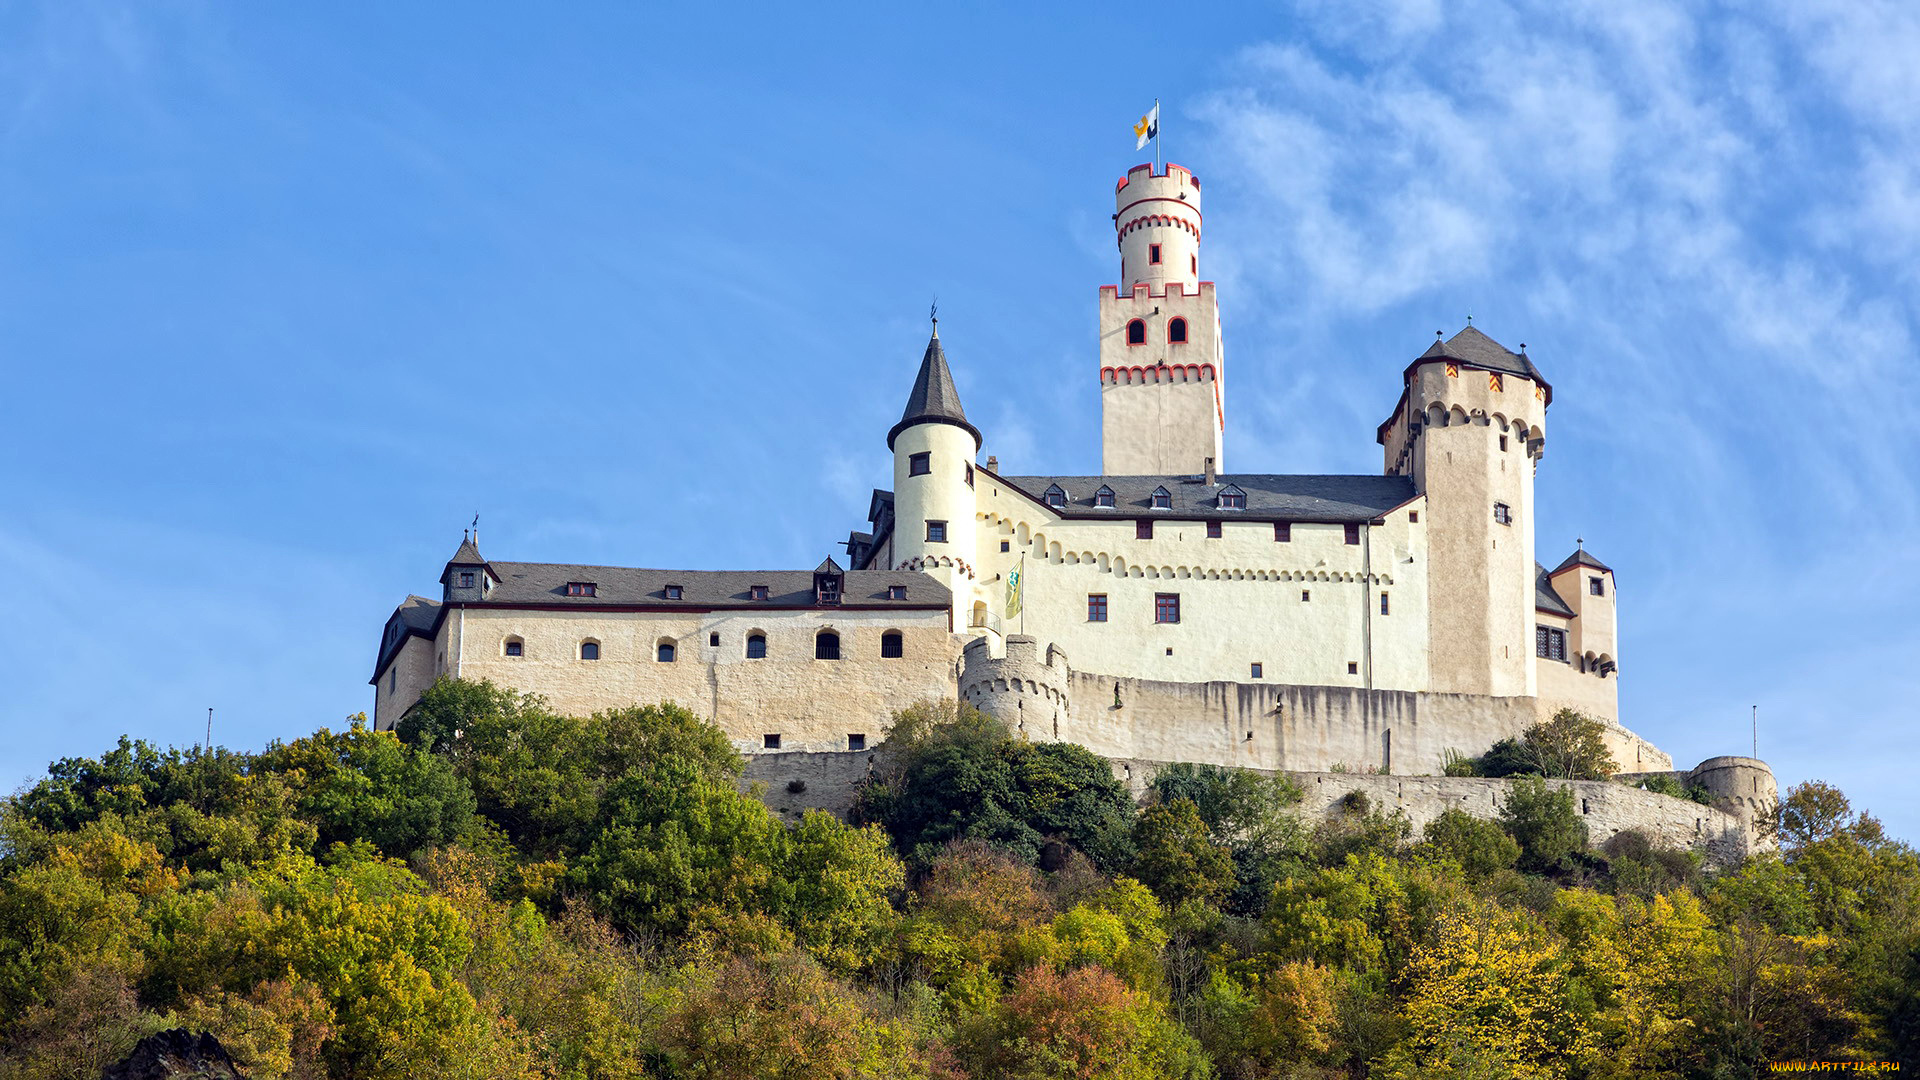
x=936, y=532
x=675, y=592
x=1136, y=332
x=1177, y=331
x=1413, y=517
x=589, y=650
x=892, y=645
x=1550, y=643
x=1213, y=530
x=756, y=646
x=1166, y=607
x=1103, y=497
x=713, y=639
x=826, y=645
x=664, y=652
x=756, y=592
x=580, y=588
x=1258, y=670
x=1143, y=529
x=1153, y=254
x=919, y=464
x=1006, y=545
x=969, y=474
x=1502, y=513
x=1193, y=263
x=1056, y=497
x=1353, y=533
x=1503, y=442
x=1383, y=604
x=1096, y=607
x=1353, y=667
x=1306, y=596
x=1282, y=532
x=466, y=579
x=896, y=592
x=1596, y=586
x=1162, y=499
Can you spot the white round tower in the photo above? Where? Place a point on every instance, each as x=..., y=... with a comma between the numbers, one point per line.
x=933, y=450
x=1157, y=221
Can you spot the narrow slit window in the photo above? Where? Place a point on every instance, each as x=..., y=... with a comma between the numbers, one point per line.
x=1384, y=610
x=1153, y=254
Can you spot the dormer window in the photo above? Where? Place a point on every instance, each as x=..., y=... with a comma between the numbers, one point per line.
x=1232, y=498
x=1056, y=497
x=1176, y=331
x=1137, y=332
x=896, y=592
x=675, y=592
x=756, y=592
x=1103, y=497
x=580, y=588
x=466, y=579
x=1162, y=499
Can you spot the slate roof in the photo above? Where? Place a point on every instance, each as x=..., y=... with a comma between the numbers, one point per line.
x=1544, y=598
x=1581, y=558
x=545, y=584
x=1269, y=497
x=1475, y=349
x=416, y=616
x=934, y=399
x=468, y=555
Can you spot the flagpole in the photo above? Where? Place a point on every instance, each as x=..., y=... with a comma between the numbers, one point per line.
x=1023, y=595
x=1157, y=141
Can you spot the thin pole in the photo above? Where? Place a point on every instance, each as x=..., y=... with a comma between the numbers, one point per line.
x=209, y=729
x=1023, y=592
x=1157, y=147
x=1756, y=731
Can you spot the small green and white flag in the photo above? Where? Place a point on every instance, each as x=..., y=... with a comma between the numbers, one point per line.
x=1015, y=579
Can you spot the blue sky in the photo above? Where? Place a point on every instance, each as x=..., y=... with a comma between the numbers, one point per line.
x=288, y=294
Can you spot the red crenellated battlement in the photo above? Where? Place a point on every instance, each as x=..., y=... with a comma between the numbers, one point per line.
x=1145, y=171
x=1145, y=291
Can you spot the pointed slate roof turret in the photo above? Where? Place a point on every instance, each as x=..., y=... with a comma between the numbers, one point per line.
x=1580, y=557
x=934, y=399
x=1475, y=349
x=468, y=555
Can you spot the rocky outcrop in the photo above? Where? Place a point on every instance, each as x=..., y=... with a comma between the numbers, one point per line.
x=176, y=1055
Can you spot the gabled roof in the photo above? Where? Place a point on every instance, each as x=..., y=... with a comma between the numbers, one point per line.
x=828, y=567
x=1544, y=598
x=416, y=616
x=934, y=399
x=1269, y=497
x=1581, y=558
x=545, y=585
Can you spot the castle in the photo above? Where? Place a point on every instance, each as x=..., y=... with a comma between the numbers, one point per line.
x=1165, y=610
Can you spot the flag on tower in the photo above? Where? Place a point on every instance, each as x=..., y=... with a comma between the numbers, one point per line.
x=1013, y=588
x=1147, y=128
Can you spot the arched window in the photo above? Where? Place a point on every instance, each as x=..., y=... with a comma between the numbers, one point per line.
x=664, y=652
x=893, y=645
x=514, y=646
x=1162, y=499
x=589, y=650
x=756, y=646
x=1057, y=497
x=1177, y=331
x=826, y=645
x=1137, y=332
x=1103, y=497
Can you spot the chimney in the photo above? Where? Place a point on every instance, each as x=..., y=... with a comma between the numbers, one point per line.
x=993, y=464
x=1210, y=477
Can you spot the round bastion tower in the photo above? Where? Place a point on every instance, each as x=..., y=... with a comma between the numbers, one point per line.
x=933, y=450
x=1162, y=396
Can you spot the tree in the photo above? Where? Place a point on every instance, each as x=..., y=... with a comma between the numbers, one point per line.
x=952, y=773
x=1542, y=819
x=1250, y=815
x=1568, y=746
x=1480, y=847
x=364, y=785
x=1176, y=858
x=1084, y=1024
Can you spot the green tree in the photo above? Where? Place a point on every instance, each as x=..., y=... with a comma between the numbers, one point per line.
x=1542, y=819
x=1253, y=816
x=1175, y=856
x=1481, y=847
x=359, y=785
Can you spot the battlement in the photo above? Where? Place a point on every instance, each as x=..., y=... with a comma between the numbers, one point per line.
x=1145, y=291
x=1026, y=688
x=1142, y=176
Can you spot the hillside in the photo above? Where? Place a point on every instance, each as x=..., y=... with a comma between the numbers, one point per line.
x=498, y=890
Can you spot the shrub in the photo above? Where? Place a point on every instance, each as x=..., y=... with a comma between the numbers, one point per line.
x=1480, y=847
x=1542, y=819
